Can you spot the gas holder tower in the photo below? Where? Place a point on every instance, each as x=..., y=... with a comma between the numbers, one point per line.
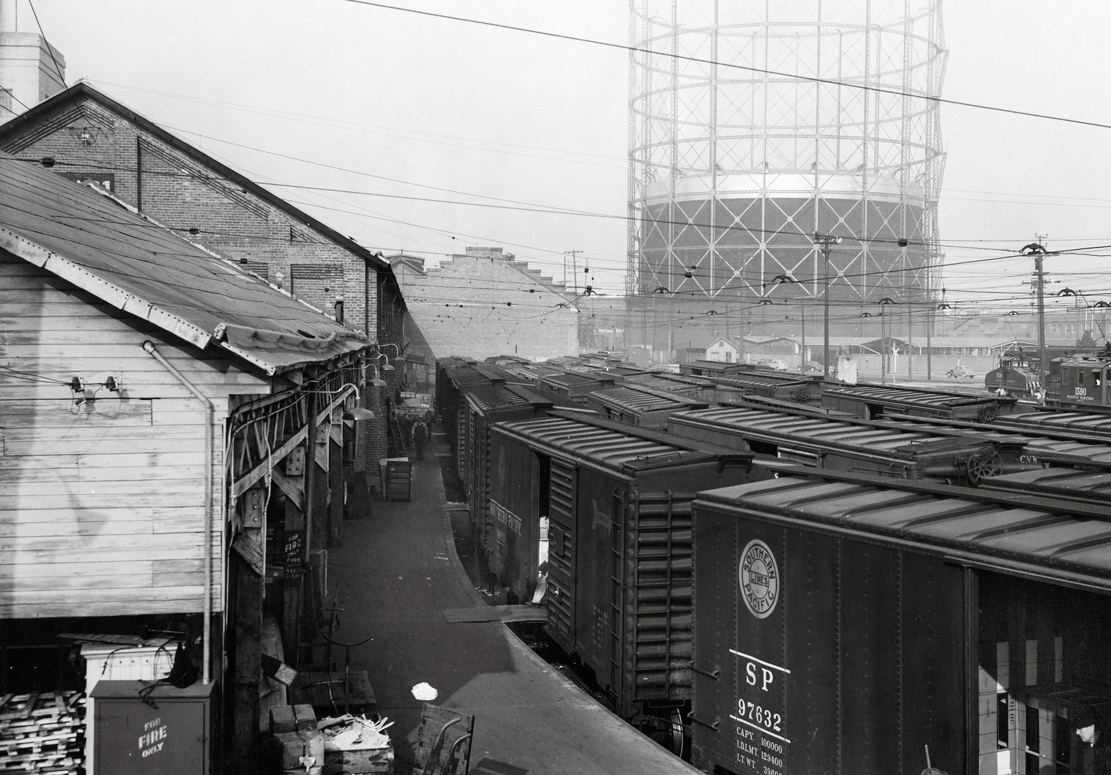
x=755, y=128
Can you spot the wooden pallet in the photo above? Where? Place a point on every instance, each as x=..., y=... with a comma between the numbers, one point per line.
x=41, y=732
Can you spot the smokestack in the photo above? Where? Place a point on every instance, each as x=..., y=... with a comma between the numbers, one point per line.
x=9, y=16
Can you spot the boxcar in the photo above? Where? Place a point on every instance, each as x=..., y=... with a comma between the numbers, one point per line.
x=605, y=510
x=853, y=445
x=639, y=405
x=482, y=406
x=873, y=401
x=772, y=384
x=575, y=384
x=695, y=387
x=856, y=626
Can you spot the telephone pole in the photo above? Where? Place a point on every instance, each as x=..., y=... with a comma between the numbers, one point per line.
x=825, y=242
x=574, y=267
x=1037, y=250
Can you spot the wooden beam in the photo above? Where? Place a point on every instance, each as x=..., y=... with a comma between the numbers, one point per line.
x=243, y=483
x=291, y=487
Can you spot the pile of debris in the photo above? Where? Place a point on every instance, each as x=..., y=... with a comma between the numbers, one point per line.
x=342, y=745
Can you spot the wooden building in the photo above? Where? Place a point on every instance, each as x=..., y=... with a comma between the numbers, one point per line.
x=87, y=136
x=173, y=437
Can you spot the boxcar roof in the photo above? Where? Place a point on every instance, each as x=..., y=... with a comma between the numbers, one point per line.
x=609, y=448
x=1059, y=482
x=639, y=398
x=489, y=397
x=1089, y=422
x=822, y=432
x=938, y=399
x=1023, y=534
x=95, y=243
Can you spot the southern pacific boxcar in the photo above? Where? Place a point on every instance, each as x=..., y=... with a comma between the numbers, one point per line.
x=853, y=445
x=874, y=401
x=866, y=627
x=613, y=503
x=639, y=405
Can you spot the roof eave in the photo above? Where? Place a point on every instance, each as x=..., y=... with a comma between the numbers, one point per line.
x=77, y=275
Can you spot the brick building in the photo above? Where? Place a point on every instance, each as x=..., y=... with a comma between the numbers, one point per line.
x=88, y=137
x=485, y=303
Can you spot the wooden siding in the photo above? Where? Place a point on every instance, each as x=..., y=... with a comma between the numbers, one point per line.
x=102, y=503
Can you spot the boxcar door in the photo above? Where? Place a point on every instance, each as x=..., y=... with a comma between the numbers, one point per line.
x=560, y=499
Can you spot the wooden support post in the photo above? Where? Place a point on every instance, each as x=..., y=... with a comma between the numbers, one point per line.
x=337, y=489
x=246, y=664
x=291, y=586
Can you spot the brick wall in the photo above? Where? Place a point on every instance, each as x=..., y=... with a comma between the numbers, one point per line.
x=485, y=303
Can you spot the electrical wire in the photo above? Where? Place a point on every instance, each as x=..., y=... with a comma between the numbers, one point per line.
x=729, y=65
x=49, y=48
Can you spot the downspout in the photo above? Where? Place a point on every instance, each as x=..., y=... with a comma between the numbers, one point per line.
x=209, y=412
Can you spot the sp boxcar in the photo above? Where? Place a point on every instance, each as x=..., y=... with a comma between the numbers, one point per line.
x=599, y=515
x=847, y=625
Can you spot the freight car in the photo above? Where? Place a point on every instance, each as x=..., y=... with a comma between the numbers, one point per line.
x=640, y=406
x=852, y=445
x=695, y=387
x=596, y=516
x=871, y=402
x=481, y=406
x=853, y=625
x=772, y=384
x=576, y=384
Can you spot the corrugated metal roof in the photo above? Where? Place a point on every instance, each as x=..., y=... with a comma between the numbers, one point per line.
x=820, y=433
x=609, y=448
x=144, y=269
x=1060, y=538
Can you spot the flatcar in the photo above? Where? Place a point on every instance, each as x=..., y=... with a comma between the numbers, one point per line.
x=856, y=625
x=594, y=516
x=853, y=445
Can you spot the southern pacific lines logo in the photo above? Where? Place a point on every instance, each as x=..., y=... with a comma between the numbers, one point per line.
x=759, y=579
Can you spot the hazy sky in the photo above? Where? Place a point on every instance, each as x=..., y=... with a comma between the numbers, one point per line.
x=332, y=94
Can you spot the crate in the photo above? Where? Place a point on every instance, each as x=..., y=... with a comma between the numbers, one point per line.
x=397, y=478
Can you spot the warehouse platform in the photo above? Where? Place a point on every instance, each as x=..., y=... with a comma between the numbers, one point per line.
x=400, y=582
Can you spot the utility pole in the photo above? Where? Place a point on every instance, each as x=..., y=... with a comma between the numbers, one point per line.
x=825, y=242
x=1037, y=250
x=574, y=267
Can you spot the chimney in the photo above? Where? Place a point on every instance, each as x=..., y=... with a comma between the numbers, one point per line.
x=9, y=15
x=31, y=70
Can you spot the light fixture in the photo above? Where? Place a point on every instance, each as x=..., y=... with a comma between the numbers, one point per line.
x=377, y=381
x=385, y=366
x=356, y=413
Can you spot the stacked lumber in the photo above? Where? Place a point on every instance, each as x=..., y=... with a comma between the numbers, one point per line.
x=42, y=732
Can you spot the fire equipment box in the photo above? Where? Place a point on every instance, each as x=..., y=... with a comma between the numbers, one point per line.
x=163, y=732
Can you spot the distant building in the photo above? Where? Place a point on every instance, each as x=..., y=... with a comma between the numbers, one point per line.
x=484, y=303
x=31, y=70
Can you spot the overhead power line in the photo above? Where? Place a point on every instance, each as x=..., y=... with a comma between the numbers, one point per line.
x=746, y=68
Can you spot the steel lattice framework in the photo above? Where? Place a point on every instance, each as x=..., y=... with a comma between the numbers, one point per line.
x=754, y=125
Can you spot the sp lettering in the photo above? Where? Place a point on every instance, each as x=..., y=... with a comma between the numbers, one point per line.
x=759, y=676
